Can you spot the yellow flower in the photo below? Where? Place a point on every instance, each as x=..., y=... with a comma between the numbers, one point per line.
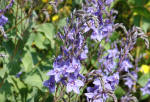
x=44, y=1
x=55, y=18
x=145, y=69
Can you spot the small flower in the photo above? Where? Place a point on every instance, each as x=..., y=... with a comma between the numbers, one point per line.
x=18, y=74
x=125, y=65
x=130, y=80
x=50, y=84
x=96, y=34
x=55, y=18
x=145, y=69
x=75, y=66
x=56, y=72
x=84, y=53
x=3, y=20
x=108, y=2
x=113, y=80
x=74, y=85
x=113, y=53
x=146, y=88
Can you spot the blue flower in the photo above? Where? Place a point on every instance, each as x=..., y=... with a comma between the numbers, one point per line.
x=108, y=2
x=56, y=72
x=18, y=74
x=113, y=53
x=125, y=65
x=75, y=66
x=3, y=20
x=146, y=88
x=113, y=80
x=74, y=85
x=130, y=81
x=84, y=53
x=50, y=84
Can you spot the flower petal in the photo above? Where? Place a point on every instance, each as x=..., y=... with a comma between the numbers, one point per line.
x=79, y=83
x=69, y=88
x=89, y=95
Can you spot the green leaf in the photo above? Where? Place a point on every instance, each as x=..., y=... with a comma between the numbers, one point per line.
x=6, y=88
x=61, y=22
x=145, y=25
x=39, y=39
x=27, y=61
x=140, y=2
x=49, y=31
x=2, y=97
x=114, y=36
x=137, y=19
x=32, y=95
x=145, y=96
x=78, y=1
x=2, y=72
x=142, y=11
x=34, y=80
x=144, y=79
x=105, y=45
x=3, y=4
x=119, y=92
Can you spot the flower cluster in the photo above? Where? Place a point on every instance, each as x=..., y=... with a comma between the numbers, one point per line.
x=103, y=86
x=67, y=66
x=102, y=27
x=95, y=21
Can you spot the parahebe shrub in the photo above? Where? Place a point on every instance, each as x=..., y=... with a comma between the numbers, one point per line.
x=94, y=63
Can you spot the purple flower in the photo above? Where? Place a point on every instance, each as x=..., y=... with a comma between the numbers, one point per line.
x=113, y=53
x=108, y=2
x=113, y=80
x=55, y=72
x=125, y=65
x=50, y=84
x=131, y=79
x=18, y=74
x=110, y=65
x=146, y=88
x=98, y=93
x=10, y=5
x=84, y=53
x=3, y=20
x=75, y=66
x=74, y=85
